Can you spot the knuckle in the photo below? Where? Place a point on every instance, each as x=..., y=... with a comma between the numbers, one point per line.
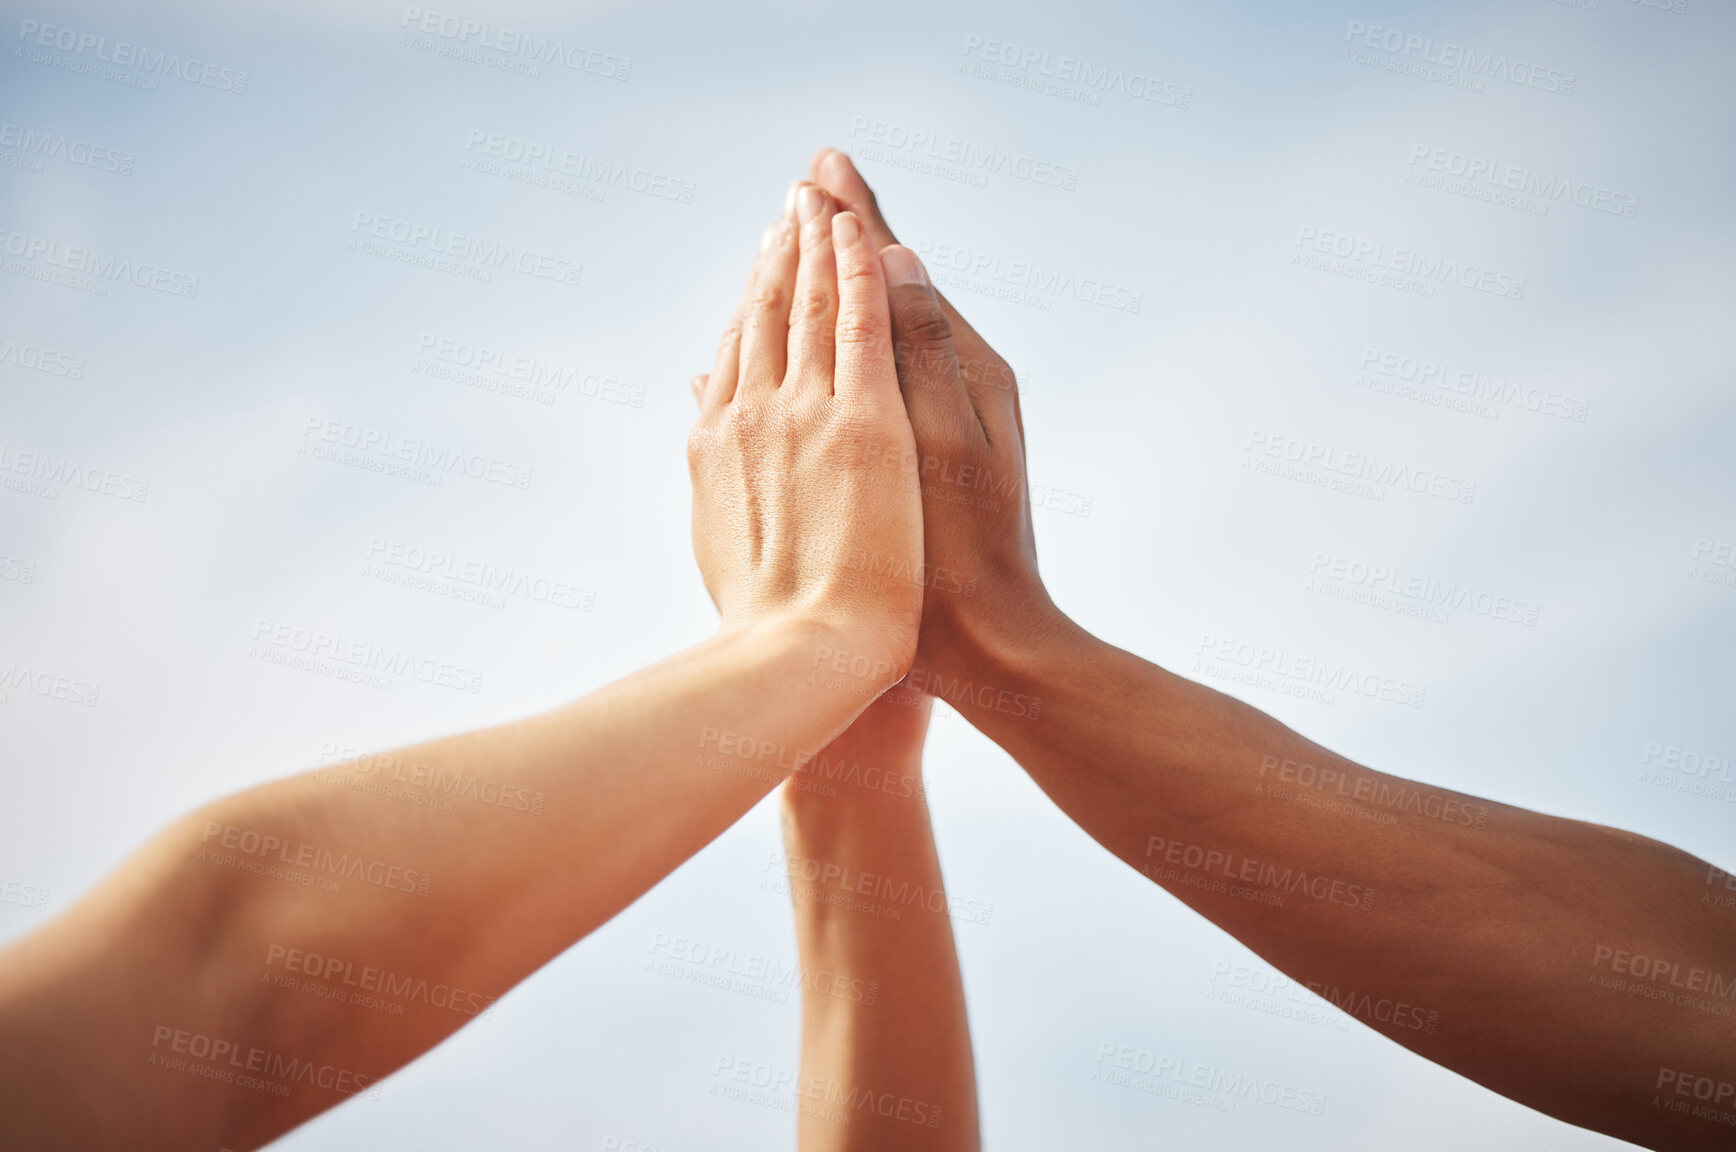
x=802, y=406
x=853, y=428
x=768, y=300
x=741, y=422
x=922, y=362
x=864, y=274
x=943, y=438
x=699, y=443
x=859, y=328
x=815, y=303
x=925, y=325
x=816, y=234
x=779, y=236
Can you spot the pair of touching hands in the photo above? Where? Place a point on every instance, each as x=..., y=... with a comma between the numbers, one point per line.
x=833, y=428
x=858, y=461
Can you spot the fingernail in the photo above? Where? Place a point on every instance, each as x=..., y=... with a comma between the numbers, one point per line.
x=845, y=231
x=903, y=267
x=790, y=196
x=808, y=202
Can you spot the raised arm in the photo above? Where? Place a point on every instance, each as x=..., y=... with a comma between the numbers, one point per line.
x=1485, y=937
x=283, y=949
x=886, y=1054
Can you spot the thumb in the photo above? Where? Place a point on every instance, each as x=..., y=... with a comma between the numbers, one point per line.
x=923, y=350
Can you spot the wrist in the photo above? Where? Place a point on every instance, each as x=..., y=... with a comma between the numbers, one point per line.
x=854, y=658
x=1002, y=664
x=777, y=715
x=878, y=759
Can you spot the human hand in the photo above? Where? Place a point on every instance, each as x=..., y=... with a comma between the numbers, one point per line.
x=984, y=593
x=785, y=487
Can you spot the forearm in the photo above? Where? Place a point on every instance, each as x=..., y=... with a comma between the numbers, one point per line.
x=1378, y=891
x=241, y=922
x=1472, y=932
x=886, y=1053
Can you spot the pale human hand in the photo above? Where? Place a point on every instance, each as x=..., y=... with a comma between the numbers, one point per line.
x=794, y=518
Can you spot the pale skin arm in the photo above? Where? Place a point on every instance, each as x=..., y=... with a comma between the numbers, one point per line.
x=885, y=1038
x=180, y=940
x=1499, y=921
x=115, y=1017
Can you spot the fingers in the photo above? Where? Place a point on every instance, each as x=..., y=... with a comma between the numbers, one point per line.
x=814, y=306
x=864, y=374
x=725, y=366
x=697, y=387
x=923, y=345
x=765, y=313
x=833, y=171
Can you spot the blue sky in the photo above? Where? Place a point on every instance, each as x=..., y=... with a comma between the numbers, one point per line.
x=1487, y=246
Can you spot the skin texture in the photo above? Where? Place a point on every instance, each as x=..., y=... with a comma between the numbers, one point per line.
x=898, y=1065
x=1474, y=933
x=178, y=961
x=884, y=1027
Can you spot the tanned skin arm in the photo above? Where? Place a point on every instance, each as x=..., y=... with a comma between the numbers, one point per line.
x=885, y=1039
x=1496, y=920
x=145, y=1017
